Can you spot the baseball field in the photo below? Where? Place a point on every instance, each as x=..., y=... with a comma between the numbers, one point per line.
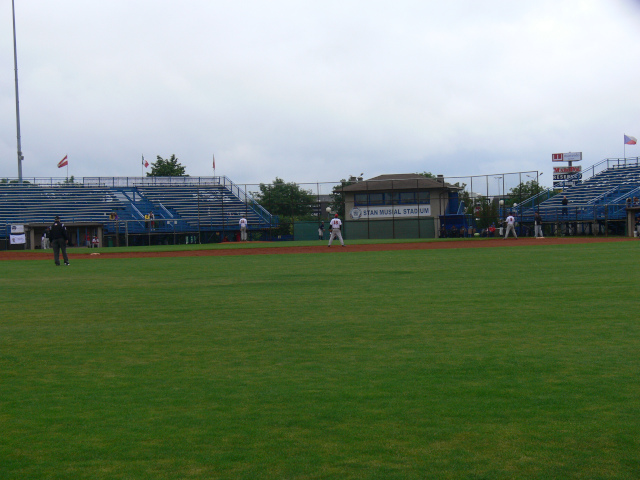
x=519, y=360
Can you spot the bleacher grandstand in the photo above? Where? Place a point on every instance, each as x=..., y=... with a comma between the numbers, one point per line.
x=601, y=193
x=121, y=205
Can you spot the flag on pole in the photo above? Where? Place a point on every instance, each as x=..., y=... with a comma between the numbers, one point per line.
x=214, y=161
x=629, y=140
x=144, y=162
x=63, y=162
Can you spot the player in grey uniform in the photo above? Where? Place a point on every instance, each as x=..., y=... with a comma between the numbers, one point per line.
x=537, y=219
x=243, y=229
x=335, y=225
x=511, y=222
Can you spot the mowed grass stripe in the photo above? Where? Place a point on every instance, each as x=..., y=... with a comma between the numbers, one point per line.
x=487, y=363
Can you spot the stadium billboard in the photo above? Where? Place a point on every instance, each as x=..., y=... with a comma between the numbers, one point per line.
x=566, y=157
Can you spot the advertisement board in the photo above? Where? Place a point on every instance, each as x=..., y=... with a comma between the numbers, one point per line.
x=566, y=157
x=566, y=170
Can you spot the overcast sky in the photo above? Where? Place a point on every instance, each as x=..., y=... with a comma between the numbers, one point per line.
x=316, y=91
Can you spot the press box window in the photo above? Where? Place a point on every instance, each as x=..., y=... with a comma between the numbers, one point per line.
x=407, y=197
x=376, y=199
x=423, y=197
x=360, y=199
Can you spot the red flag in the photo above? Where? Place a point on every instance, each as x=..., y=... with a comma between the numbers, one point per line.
x=629, y=140
x=144, y=162
x=63, y=162
x=214, y=162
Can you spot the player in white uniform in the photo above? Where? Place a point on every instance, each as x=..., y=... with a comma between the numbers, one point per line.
x=243, y=229
x=335, y=225
x=511, y=226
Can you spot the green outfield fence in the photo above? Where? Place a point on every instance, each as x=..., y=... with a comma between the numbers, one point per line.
x=373, y=229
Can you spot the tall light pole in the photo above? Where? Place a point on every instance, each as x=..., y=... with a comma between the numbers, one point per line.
x=15, y=65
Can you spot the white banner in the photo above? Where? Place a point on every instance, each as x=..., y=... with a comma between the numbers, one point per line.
x=17, y=228
x=406, y=211
x=18, y=239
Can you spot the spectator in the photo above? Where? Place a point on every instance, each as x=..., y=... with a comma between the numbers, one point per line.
x=565, y=202
x=45, y=238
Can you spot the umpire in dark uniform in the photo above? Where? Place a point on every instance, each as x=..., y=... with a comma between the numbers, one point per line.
x=59, y=237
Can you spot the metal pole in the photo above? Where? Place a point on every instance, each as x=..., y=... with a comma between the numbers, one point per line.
x=198, y=193
x=15, y=64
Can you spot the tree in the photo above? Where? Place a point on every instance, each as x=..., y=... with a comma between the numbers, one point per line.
x=524, y=191
x=167, y=168
x=337, y=197
x=6, y=180
x=285, y=199
x=427, y=174
x=485, y=211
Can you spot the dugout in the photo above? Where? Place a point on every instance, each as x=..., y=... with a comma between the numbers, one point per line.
x=632, y=213
x=77, y=233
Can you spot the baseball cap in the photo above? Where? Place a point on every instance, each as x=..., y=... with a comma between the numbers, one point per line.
x=336, y=215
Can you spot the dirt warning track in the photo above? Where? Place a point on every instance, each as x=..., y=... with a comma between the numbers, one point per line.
x=80, y=253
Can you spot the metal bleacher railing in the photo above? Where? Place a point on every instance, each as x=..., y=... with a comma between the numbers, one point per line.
x=177, y=203
x=602, y=191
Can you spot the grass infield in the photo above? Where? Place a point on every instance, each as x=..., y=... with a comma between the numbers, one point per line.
x=492, y=363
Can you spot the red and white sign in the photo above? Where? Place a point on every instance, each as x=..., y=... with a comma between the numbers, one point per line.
x=567, y=169
x=566, y=157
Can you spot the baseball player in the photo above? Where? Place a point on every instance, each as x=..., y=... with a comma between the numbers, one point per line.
x=537, y=220
x=511, y=227
x=243, y=229
x=335, y=225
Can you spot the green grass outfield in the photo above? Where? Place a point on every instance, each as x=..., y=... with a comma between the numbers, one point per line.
x=489, y=363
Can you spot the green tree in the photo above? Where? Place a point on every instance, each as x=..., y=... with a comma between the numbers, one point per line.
x=285, y=199
x=6, y=180
x=167, y=168
x=288, y=201
x=523, y=191
x=337, y=197
x=427, y=174
x=485, y=211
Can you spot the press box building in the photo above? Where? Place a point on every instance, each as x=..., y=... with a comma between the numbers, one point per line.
x=398, y=206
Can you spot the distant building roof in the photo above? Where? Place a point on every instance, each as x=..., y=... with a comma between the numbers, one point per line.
x=400, y=181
